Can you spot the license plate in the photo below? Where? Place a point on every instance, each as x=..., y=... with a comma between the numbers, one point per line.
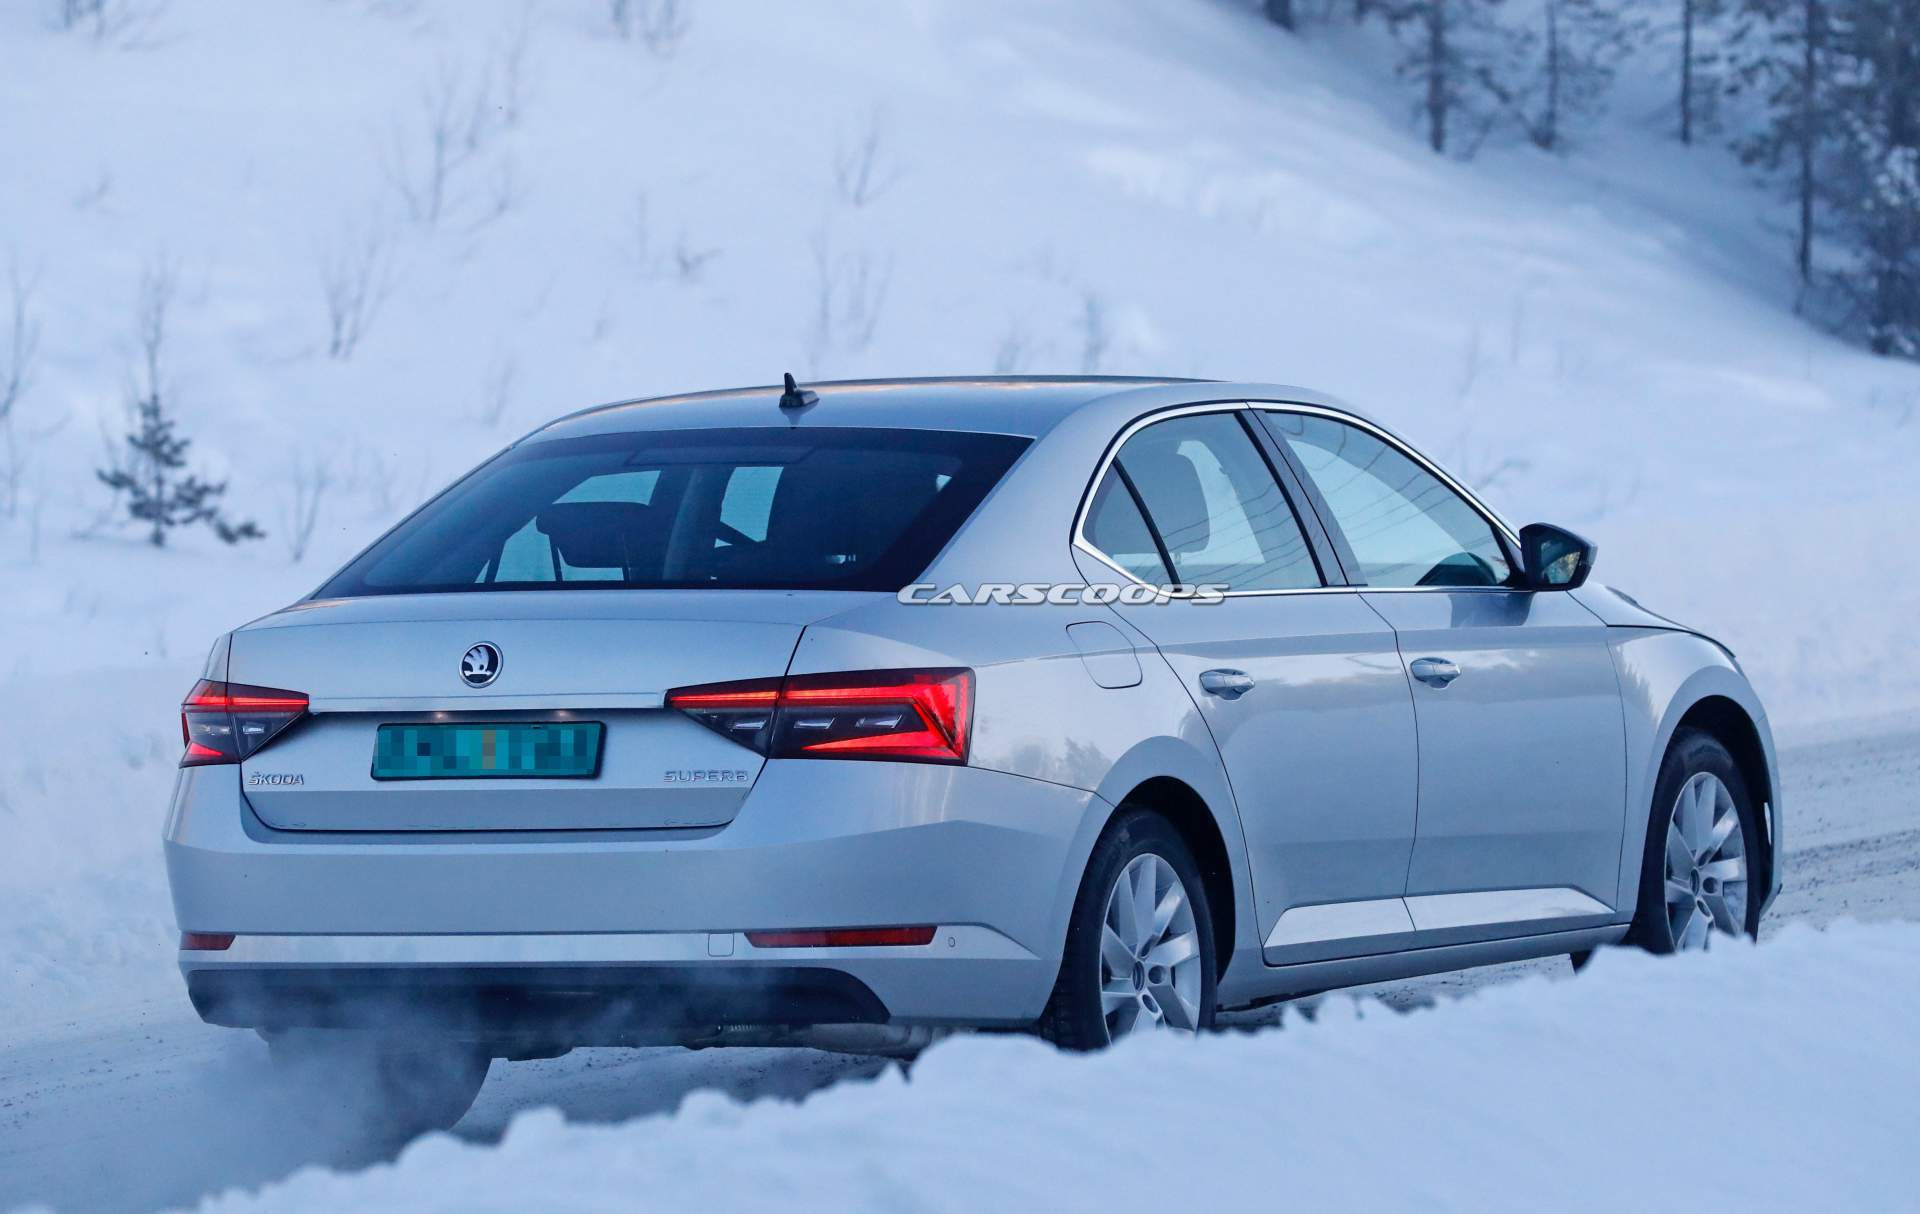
x=567, y=750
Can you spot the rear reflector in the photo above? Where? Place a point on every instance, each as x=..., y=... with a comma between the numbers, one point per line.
x=226, y=722
x=843, y=937
x=913, y=715
x=206, y=942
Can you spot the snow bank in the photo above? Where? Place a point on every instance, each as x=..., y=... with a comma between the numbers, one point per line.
x=1780, y=1077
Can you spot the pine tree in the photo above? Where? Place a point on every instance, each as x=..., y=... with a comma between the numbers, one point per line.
x=1580, y=42
x=159, y=492
x=1704, y=32
x=1788, y=66
x=1872, y=190
x=1690, y=17
x=1464, y=60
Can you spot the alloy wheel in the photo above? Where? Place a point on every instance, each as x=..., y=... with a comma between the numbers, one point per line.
x=1706, y=886
x=1150, y=968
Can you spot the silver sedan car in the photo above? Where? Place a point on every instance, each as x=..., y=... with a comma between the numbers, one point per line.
x=843, y=716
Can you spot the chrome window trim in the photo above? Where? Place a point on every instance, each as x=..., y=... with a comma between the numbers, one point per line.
x=1081, y=543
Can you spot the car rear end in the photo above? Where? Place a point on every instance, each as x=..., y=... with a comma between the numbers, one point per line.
x=536, y=768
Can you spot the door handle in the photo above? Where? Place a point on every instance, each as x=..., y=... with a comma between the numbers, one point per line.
x=1434, y=672
x=1227, y=684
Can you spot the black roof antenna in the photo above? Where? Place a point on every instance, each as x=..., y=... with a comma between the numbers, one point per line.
x=796, y=397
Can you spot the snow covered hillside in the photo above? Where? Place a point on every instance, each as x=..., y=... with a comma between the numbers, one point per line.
x=534, y=215
x=1569, y=1095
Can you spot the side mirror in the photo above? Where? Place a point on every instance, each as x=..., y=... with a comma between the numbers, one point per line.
x=1555, y=558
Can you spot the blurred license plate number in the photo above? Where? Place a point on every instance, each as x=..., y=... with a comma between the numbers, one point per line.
x=559, y=751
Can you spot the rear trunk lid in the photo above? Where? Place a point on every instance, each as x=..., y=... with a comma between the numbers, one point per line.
x=605, y=656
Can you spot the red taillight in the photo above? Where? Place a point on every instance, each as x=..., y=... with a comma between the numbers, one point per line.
x=744, y=695
x=226, y=722
x=843, y=937
x=913, y=715
x=206, y=942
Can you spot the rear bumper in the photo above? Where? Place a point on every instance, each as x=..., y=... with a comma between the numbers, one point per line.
x=632, y=931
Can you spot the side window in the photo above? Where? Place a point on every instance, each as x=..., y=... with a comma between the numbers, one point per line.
x=1406, y=527
x=1216, y=507
x=530, y=554
x=747, y=505
x=1117, y=528
x=636, y=487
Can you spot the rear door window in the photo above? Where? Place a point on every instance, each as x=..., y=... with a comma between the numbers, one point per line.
x=857, y=509
x=1219, y=513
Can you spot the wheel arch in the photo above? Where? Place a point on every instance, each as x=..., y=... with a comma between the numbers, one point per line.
x=1671, y=681
x=1727, y=722
x=1177, y=802
x=1174, y=777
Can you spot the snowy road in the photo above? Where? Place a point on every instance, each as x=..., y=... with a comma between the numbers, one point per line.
x=140, y=1106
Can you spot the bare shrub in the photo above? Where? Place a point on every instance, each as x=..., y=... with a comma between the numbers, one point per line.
x=23, y=338
x=372, y=470
x=1096, y=332
x=497, y=393
x=862, y=168
x=504, y=191
x=425, y=162
x=356, y=275
x=95, y=194
x=850, y=293
x=108, y=21
x=510, y=60
x=22, y=352
x=686, y=261
x=309, y=477
x=689, y=262
x=658, y=25
x=81, y=14
x=1014, y=350
x=639, y=235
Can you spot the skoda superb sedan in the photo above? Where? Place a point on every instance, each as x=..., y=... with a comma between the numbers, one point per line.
x=839, y=717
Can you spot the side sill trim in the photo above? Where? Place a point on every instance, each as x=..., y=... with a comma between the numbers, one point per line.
x=1356, y=921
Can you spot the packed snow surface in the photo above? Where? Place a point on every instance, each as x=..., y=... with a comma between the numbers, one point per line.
x=1776, y=1077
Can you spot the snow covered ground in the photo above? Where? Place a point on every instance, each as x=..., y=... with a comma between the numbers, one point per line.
x=1762, y=1078
x=1159, y=186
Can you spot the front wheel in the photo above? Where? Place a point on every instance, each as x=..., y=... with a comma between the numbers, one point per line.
x=1139, y=950
x=1695, y=877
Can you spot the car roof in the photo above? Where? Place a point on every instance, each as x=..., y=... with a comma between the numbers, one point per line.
x=1027, y=405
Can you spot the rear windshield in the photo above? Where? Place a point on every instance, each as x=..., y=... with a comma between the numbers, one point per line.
x=833, y=509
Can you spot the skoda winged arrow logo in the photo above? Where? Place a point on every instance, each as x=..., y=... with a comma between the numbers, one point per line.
x=480, y=665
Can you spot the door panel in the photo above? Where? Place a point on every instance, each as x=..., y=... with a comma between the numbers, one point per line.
x=1522, y=747
x=1320, y=752
x=1301, y=686
x=1523, y=754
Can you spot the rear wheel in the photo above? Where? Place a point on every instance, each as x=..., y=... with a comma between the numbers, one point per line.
x=1695, y=877
x=1139, y=950
x=398, y=1088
